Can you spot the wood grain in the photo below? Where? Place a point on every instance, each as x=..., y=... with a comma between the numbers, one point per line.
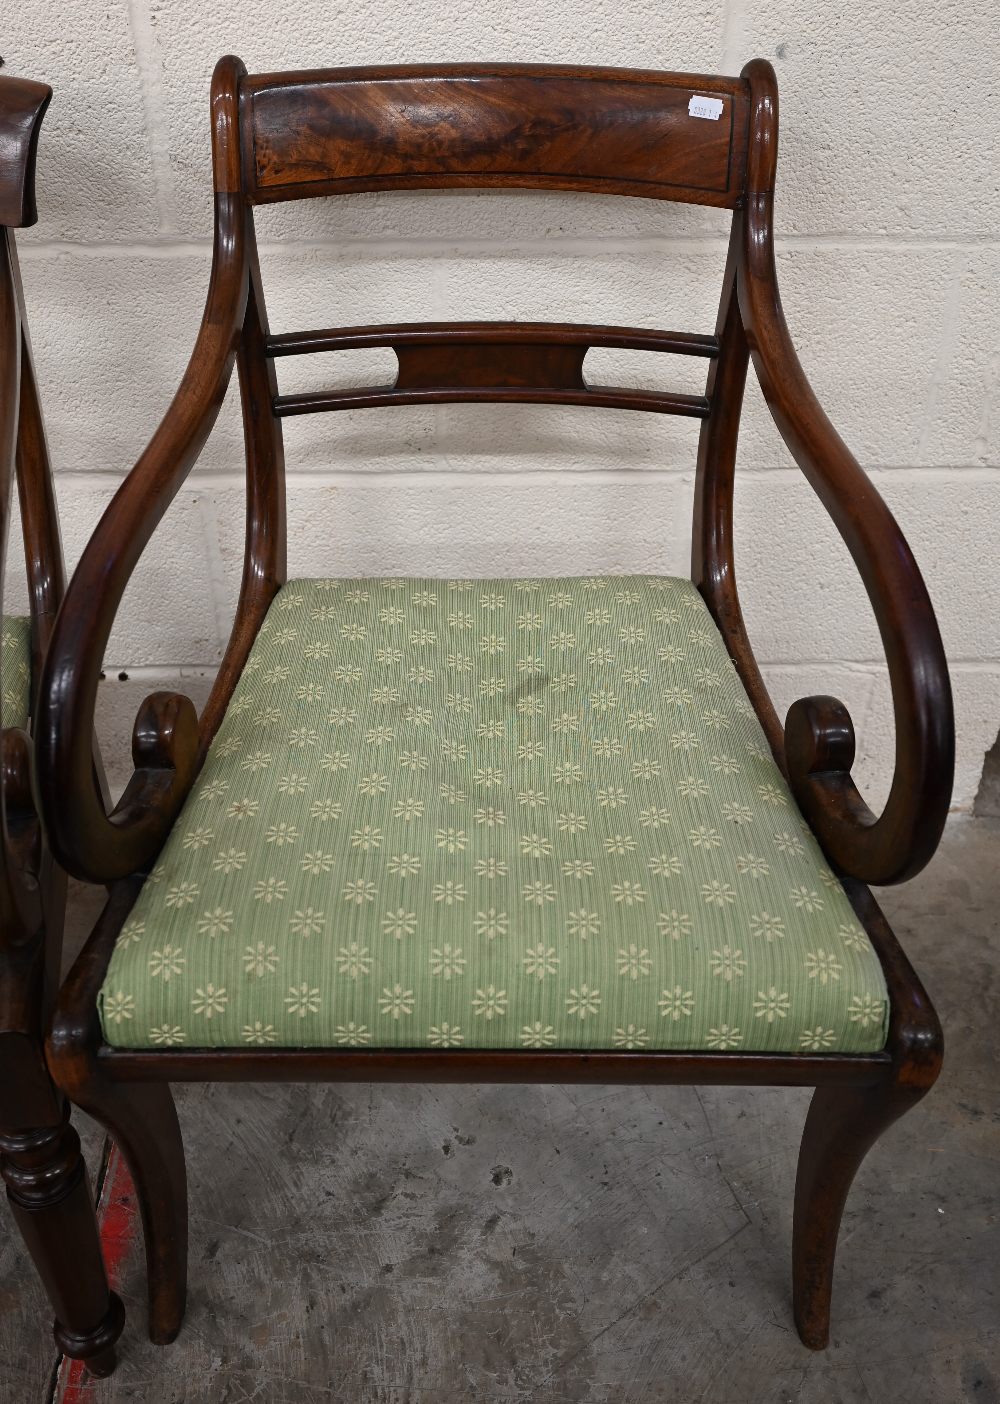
x=611, y=131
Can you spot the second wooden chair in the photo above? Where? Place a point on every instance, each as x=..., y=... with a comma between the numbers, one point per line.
x=47, y=1184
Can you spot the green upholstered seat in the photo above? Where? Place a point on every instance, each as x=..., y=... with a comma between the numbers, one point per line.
x=15, y=670
x=494, y=814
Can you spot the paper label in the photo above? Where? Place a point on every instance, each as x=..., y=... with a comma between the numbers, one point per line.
x=705, y=107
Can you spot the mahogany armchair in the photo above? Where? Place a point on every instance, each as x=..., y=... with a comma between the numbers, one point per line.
x=503, y=831
x=40, y=1161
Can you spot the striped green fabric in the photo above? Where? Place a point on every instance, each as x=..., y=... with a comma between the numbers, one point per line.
x=15, y=670
x=492, y=814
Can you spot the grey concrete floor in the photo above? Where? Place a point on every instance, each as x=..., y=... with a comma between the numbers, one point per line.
x=409, y=1245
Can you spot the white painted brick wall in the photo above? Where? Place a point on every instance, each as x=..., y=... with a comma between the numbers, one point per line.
x=888, y=259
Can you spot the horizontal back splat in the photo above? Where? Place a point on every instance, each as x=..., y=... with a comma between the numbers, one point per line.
x=527, y=362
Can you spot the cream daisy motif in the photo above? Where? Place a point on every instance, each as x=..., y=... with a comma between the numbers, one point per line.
x=260, y=959
x=302, y=1000
x=399, y=923
x=676, y=1003
x=167, y=1036
x=307, y=922
x=445, y=1035
x=491, y=923
x=724, y=1037
x=631, y=1036
x=674, y=924
x=537, y=1035
x=497, y=814
x=165, y=963
x=447, y=961
x=540, y=960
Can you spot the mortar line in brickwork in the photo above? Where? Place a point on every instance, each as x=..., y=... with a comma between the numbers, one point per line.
x=734, y=42
x=991, y=382
x=595, y=246
x=986, y=666
x=154, y=112
x=944, y=357
x=210, y=480
x=221, y=596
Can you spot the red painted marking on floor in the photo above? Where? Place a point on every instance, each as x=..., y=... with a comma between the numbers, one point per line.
x=118, y=1223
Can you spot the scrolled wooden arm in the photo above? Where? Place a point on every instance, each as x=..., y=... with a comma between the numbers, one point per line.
x=88, y=842
x=819, y=735
x=22, y=107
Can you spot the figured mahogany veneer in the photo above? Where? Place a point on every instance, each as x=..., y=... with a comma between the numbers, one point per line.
x=287, y=136
x=620, y=132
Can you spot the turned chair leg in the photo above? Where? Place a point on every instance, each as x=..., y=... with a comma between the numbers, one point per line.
x=842, y=1125
x=50, y=1197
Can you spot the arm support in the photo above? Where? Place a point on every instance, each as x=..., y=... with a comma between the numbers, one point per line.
x=88, y=842
x=819, y=735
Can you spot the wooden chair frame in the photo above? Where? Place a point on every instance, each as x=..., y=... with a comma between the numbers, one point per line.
x=40, y=1161
x=286, y=136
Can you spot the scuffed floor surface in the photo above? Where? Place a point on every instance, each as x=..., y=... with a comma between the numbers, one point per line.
x=410, y=1245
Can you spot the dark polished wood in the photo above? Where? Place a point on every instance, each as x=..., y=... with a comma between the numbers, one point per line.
x=23, y=107
x=40, y=1162
x=614, y=131
x=819, y=734
x=596, y=396
x=283, y=136
x=498, y=362
x=50, y=1197
x=461, y=334
x=472, y=1065
x=843, y=1123
x=265, y=555
x=91, y=844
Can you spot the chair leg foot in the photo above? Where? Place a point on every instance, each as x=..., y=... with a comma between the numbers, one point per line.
x=842, y=1125
x=52, y=1204
x=102, y=1365
x=96, y=1347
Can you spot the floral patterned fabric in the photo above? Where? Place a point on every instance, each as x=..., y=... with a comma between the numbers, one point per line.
x=15, y=670
x=492, y=814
